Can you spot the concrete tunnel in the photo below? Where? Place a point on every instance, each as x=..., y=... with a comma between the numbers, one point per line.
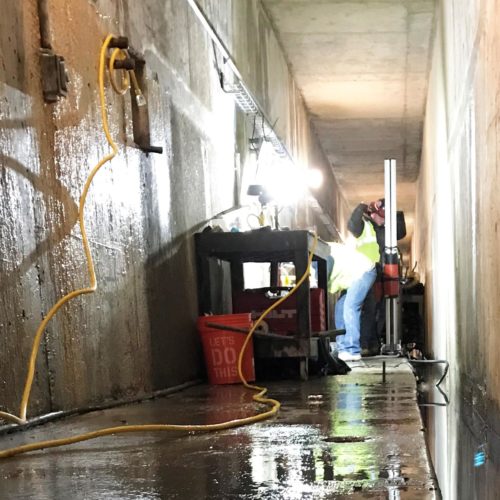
x=230, y=94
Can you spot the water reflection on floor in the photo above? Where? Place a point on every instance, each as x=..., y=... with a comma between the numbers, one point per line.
x=351, y=436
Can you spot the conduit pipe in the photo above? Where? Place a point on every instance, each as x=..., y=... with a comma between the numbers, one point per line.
x=52, y=66
x=229, y=60
x=43, y=20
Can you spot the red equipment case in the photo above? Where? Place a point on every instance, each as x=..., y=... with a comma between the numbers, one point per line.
x=283, y=319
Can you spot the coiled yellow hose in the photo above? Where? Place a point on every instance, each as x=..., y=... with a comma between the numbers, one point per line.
x=259, y=398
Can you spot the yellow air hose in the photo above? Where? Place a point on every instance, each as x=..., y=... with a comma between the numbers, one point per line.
x=259, y=398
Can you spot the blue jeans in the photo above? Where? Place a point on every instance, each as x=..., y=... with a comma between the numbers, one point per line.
x=348, y=313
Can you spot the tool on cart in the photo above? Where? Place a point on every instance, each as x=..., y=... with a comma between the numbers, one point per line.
x=264, y=198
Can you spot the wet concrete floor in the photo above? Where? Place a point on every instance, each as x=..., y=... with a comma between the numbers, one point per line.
x=352, y=436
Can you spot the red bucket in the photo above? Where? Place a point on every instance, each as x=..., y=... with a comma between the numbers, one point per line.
x=222, y=348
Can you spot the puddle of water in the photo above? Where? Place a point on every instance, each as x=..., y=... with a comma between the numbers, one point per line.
x=329, y=441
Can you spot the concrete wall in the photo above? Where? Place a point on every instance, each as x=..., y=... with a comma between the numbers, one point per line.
x=457, y=239
x=137, y=332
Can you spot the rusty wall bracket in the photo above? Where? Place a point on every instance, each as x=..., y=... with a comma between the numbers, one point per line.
x=140, y=113
x=118, y=42
x=127, y=64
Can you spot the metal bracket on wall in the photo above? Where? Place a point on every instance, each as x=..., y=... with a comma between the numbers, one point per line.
x=54, y=76
x=140, y=112
x=140, y=115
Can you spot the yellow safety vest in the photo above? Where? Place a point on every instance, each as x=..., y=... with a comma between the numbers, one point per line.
x=367, y=243
x=349, y=265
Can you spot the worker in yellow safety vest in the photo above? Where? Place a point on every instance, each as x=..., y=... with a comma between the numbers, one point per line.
x=367, y=225
x=352, y=273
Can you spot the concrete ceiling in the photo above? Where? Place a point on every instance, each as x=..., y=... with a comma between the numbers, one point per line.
x=362, y=67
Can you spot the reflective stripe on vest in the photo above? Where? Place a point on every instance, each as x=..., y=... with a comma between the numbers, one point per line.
x=367, y=243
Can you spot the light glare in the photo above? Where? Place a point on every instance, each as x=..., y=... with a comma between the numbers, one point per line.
x=314, y=178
